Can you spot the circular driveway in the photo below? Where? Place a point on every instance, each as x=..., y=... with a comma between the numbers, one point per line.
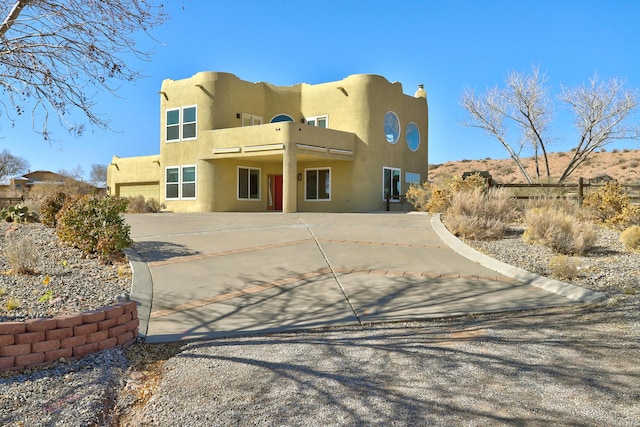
x=207, y=275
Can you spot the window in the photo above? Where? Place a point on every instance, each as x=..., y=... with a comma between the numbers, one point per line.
x=319, y=121
x=412, y=135
x=181, y=124
x=390, y=183
x=251, y=120
x=317, y=184
x=391, y=127
x=248, y=183
x=412, y=178
x=281, y=118
x=180, y=183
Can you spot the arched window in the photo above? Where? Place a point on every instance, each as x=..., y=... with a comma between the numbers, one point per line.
x=281, y=118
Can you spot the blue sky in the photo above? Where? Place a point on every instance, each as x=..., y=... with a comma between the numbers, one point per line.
x=446, y=45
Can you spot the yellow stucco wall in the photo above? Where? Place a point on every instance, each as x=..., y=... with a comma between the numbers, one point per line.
x=355, y=148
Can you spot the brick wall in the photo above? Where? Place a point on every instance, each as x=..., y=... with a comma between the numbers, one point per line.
x=41, y=341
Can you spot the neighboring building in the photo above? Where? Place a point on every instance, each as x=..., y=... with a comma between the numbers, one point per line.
x=226, y=144
x=47, y=182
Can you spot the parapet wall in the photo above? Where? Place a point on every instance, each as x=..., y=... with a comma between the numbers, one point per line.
x=37, y=342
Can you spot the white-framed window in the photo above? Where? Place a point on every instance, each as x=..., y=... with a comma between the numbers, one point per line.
x=319, y=121
x=251, y=120
x=248, y=183
x=180, y=182
x=317, y=184
x=181, y=123
x=391, y=183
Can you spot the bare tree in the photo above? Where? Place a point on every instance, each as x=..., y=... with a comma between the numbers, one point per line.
x=488, y=112
x=601, y=109
x=98, y=174
x=77, y=173
x=56, y=55
x=11, y=165
x=530, y=108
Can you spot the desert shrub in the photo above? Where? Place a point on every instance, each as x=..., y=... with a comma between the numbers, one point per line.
x=480, y=215
x=21, y=255
x=562, y=267
x=18, y=214
x=631, y=238
x=611, y=205
x=436, y=197
x=418, y=196
x=138, y=204
x=94, y=224
x=562, y=232
x=50, y=208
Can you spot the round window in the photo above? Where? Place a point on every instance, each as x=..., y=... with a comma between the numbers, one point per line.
x=413, y=136
x=391, y=127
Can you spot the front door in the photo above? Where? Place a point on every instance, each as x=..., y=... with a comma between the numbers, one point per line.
x=275, y=193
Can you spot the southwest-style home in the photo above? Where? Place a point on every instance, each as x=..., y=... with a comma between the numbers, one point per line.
x=354, y=145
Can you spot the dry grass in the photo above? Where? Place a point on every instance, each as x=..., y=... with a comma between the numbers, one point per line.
x=623, y=165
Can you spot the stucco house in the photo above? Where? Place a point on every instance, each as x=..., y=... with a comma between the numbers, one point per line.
x=353, y=145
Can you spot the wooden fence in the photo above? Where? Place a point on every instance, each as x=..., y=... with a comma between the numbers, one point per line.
x=568, y=190
x=10, y=201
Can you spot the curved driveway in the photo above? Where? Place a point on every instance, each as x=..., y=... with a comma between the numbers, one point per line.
x=206, y=275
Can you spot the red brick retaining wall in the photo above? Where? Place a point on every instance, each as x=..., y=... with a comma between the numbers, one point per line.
x=41, y=341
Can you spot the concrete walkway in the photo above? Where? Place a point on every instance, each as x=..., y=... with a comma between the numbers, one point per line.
x=207, y=275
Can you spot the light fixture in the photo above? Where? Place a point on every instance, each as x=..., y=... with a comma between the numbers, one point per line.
x=164, y=94
x=238, y=115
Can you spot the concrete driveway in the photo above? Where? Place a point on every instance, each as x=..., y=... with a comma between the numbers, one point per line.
x=206, y=275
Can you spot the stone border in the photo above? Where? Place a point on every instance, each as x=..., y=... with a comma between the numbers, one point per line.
x=42, y=341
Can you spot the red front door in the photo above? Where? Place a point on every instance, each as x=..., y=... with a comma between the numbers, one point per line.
x=275, y=192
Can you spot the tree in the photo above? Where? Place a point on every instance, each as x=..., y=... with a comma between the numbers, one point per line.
x=601, y=109
x=55, y=55
x=98, y=174
x=11, y=165
x=77, y=173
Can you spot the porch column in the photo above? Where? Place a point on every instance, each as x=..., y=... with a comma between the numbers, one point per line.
x=289, y=179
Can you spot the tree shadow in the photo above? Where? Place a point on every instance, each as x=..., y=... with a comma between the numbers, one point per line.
x=153, y=251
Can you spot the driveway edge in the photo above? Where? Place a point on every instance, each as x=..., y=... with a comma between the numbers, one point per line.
x=568, y=290
x=141, y=288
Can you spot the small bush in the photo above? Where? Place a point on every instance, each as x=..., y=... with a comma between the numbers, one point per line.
x=94, y=224
x=138, y=204
x=479, y=215
x=610, y=205
x=21, y=255
x=418, y=196
x=562, y=267
x=50, y=207
x=563, y=233
x=12, y=304
x=631, y=238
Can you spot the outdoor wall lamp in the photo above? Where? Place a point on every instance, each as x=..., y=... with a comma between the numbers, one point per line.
x=114, y=164
x=343, y=90
x=238, y=115
x=164, y=94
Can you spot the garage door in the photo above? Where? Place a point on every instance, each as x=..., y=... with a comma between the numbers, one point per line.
x=149, y=190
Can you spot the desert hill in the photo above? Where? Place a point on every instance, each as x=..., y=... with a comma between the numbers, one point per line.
x=622, y=165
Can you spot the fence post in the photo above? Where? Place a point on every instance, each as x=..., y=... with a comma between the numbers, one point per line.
x=580, y=190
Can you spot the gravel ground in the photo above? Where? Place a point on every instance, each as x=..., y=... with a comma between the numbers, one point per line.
x=61, y=280
x=561, y=366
